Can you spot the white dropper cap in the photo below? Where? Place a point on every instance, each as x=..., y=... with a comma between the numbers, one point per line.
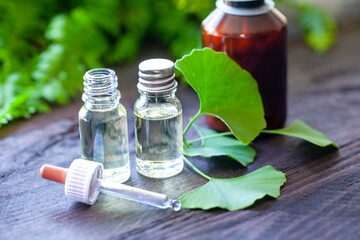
x=83, y=183
x=79, y=184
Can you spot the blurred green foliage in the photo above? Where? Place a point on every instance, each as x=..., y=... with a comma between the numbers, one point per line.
x=47, y=45
x=318, y=26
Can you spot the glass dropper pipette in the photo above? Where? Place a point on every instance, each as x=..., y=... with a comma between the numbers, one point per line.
x=83, y=182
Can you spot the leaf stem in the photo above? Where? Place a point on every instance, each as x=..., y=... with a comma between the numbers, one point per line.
x=266, y=131
x=196, y=169
x=210, y=136
x=188, y=126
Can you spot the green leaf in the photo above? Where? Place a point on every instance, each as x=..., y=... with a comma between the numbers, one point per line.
x=225, y=90
x=299, y=129
x=236, y=193
x=220, y=146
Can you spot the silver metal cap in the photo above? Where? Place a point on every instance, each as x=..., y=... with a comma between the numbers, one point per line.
x=156, y=75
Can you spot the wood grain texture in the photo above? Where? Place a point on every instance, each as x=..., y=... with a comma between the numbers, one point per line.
x=320, y=199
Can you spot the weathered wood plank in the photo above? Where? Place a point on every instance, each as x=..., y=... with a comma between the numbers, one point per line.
x=319, y=201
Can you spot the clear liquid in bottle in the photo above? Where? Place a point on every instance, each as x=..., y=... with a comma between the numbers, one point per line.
x=158, y=136
x=103, y=136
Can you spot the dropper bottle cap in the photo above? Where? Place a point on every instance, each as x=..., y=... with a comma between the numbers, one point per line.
x=78, y=179
x=83, y=182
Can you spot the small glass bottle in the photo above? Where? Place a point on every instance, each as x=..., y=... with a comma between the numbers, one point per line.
x=158, y=121
x=103, y=124
x=253, y=33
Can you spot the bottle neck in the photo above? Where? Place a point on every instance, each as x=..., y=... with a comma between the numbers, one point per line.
x=245, y=4
x=245, y=7
x=157, y=97
x=100, y=90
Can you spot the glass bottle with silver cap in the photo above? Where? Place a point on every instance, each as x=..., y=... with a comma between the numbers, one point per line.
x=158, y=121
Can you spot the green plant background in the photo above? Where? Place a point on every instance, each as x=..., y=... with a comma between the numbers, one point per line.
x=47, y=45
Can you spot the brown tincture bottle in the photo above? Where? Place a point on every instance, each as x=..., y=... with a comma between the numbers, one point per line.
x=252, y=33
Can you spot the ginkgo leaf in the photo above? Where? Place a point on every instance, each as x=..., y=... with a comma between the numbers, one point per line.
x=225, y=90
x=235, y=193
x=299, y=129
x=220, y=146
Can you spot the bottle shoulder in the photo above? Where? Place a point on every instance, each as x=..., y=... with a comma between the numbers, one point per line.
x=118, y=112
x=157, y=109
x=221, y=23
x=143, y=101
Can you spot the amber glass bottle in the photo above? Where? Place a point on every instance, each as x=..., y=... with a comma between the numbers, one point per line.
x=253, y=33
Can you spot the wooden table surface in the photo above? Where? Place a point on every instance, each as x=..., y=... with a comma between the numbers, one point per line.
x=320, y=200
